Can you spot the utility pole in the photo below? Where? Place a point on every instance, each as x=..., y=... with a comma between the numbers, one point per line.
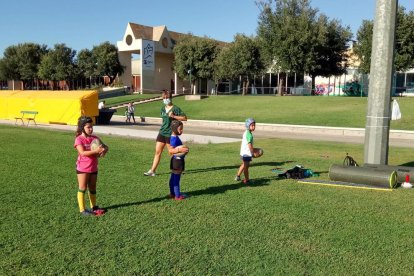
x=381, y=75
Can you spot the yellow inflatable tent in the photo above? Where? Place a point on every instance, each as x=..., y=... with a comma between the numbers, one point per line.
x=61, y=107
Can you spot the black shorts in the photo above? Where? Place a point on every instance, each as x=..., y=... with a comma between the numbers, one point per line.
x=246, y=158
x=163, y=139
x=79, y=172
x=177, y=164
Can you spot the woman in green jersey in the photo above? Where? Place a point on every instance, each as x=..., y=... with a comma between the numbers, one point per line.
x=169, y=112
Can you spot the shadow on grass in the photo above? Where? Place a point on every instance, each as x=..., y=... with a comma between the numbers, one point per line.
x=255, y=164
x=122, y=205
x=316, y=173
x=408, y=164
x=234, y=167
x=257, y=182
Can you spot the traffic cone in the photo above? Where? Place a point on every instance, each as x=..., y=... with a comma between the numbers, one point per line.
x=407, y=183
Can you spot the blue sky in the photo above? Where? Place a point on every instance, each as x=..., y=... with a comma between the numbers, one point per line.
x=85, y=23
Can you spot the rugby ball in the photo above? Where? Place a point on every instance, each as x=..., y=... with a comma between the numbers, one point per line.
x=257, y=152
x=95, y=144
x=181, y=153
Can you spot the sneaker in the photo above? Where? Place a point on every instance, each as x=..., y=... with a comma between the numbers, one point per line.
x=237, y=178
x=247, y=181
x=149, y=173
x=98, y=211
x=87, y=213
x=181, y=197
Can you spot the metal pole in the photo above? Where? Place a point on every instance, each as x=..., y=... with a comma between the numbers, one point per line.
x=362, y=84
x=329, y=85
x=379, y=98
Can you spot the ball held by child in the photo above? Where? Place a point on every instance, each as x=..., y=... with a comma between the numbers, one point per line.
x=181, y=153
x=95, y=144
x=257, y=152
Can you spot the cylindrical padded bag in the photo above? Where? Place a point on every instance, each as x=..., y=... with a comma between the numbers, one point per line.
x=402, y=171
x=363, y=175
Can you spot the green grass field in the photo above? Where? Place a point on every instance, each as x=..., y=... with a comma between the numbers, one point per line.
x=321, y=111
x=126, y=99
x=272, y=227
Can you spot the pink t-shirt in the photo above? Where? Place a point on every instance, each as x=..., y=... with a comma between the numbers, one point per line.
x=87, y=164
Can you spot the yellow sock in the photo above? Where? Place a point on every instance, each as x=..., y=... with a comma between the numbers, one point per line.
x=92, y=198
x=81, y=200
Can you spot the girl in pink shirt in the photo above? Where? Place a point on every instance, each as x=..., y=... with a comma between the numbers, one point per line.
x=87, y=165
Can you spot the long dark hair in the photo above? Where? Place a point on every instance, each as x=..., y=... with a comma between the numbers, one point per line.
x=82, y=121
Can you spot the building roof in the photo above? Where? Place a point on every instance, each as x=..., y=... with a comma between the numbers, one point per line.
x=155, y=33
x=152, y=33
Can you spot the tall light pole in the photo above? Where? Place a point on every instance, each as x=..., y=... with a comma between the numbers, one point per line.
x=190, y=72
x=381, y=75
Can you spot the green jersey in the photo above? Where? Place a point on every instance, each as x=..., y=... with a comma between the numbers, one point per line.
x=165, y=129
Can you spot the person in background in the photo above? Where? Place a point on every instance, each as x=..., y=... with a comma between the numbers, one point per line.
x=130, y=113
x=101, y=105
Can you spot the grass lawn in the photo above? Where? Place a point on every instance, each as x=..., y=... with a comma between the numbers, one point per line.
x=272, y=227
x=320, y=111
x=126, y=99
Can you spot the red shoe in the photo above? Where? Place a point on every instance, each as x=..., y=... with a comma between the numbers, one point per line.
x=98, y=211
x=181, y=197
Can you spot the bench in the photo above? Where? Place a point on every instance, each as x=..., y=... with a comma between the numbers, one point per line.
x=26, y=115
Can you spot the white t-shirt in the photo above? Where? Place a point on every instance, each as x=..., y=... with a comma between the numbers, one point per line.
x=247, y=139
x=101, y=105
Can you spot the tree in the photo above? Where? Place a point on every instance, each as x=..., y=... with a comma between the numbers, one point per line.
x=30, y=56
x=194, y=58
x=242, y=58
x=404, y=52
x=330, y=52
x=9, y=64
x=58, y=64
x=21, y=61
x=296, y=38
x=364, y=44
x=404, y=58
x=286, y=31
x=107, y=62
x=86, y=64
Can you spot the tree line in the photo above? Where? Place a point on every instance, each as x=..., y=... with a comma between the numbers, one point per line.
x=404, y=42
x=36, y=65
x=292, y=37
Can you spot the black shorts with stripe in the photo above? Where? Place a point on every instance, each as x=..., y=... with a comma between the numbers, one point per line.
x=177, y=164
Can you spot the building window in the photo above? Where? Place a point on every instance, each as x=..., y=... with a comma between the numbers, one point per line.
x=128, y=40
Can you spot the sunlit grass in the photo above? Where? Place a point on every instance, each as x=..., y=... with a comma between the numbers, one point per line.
x=295, y=110
x=272, y=227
